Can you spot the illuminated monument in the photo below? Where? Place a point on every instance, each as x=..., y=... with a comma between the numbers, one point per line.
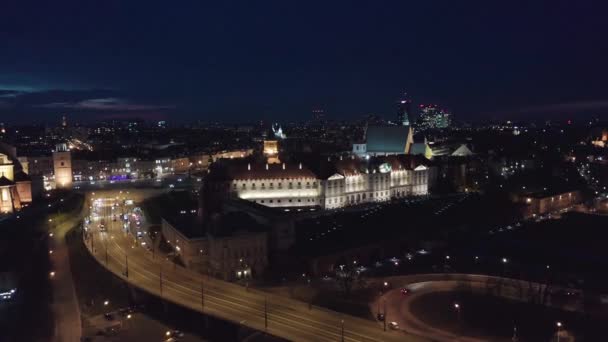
x=62, y=165
x=271, y=146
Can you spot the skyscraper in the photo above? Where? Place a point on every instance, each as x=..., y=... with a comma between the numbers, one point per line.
x=433, y=117
x=405, y=111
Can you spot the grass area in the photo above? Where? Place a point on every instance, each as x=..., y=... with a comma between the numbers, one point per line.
x=94, y=284
x=24, y=252
x=355, y=304
x=494, y=318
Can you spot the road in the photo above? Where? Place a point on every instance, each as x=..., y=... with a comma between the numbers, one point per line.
x=398, y=305
x=68, y=327
x=277, y=315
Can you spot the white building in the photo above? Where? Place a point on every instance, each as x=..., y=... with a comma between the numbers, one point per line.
x=336, y=183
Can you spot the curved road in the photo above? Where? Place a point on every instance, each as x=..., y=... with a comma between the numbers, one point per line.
x=286, y=318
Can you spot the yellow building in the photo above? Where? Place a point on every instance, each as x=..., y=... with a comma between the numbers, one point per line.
x=15, y=184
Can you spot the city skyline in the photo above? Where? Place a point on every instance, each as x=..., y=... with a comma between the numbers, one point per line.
x=482, y=61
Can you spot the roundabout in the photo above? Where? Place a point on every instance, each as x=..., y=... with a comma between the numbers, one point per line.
x=471, y=308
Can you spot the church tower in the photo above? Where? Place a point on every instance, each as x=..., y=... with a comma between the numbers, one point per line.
x=62, y=164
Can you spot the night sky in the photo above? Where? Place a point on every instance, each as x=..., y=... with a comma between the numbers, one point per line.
x=243, y=61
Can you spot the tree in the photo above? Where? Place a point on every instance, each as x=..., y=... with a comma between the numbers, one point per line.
x=347, y=278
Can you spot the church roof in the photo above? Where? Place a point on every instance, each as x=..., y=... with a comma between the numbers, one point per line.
x=21, y=176
x=5, y=181
x=387, y=139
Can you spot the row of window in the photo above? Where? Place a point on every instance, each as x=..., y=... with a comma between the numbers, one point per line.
x=279, y=185
x=299, y=200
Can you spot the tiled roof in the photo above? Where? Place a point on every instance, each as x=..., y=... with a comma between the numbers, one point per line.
x=5, y=181
x=237, y=170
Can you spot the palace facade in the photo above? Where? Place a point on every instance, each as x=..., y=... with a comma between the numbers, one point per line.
x=335, y=183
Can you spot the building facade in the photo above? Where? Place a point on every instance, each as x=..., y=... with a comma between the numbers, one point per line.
x=15, y=183
x=336, y=183
x=62, y=165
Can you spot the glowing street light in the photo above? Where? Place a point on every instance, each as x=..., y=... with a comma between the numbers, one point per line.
x=106, y=303
x=559, y=328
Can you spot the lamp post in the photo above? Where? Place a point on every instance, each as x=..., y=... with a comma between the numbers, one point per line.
x=126, y=265
x=266, y=313
x=160, y=276
x=504, y=266
x=457, y=308
x=202, y=295
x=385, y=315
x=342, y=324
x=559, y=328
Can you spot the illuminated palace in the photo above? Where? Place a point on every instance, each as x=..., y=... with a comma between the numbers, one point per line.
x=334, y=183
x=15, y=184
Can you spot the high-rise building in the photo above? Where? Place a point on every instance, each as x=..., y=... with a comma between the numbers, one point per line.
x=62, y=165
x=318, y=115
x=433, y=117
x=405, y=111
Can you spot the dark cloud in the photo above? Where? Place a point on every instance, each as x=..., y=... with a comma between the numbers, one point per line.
x=97, y=100
x=106, y=104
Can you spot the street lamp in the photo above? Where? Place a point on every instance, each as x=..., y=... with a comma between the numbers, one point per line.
x=559, y=328
x=342, y=323
x=266, y=312
x=457, y=308
x=385, y=315
x=106, y=302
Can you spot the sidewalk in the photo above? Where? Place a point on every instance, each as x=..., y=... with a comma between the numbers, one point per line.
x=68, y=326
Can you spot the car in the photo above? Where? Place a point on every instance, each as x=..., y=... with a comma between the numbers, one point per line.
x=380, y=317
x=171, y=339
x=176, y=333
x=405, y=291
x=394, y=325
